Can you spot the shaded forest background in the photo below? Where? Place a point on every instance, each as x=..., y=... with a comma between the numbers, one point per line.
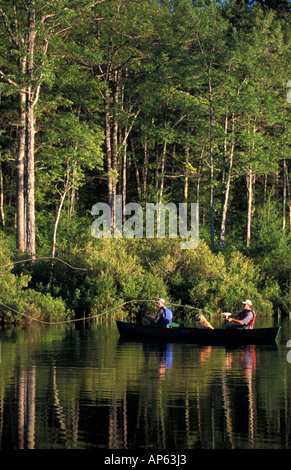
x=157, y=101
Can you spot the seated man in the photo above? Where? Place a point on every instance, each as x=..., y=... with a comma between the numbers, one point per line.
x=163, y=317
x=244, y=319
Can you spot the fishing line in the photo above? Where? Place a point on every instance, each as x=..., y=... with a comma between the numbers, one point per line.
x=78, y=319
x=60, y=321
x=42, y=257
x=74, y=320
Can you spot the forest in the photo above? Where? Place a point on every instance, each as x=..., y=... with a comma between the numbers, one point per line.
x=170, y=101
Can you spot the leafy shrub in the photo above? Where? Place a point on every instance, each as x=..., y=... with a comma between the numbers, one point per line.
x=17, y=300
x=206, y=280
x=122, y=276
x=114, y=275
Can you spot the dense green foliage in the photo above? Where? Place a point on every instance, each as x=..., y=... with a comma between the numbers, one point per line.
x=172, y=101
x=18, y=299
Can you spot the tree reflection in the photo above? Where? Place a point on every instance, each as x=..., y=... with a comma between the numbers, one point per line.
x=86, y=390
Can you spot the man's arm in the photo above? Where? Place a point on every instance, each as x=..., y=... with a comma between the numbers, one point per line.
x=159, y=315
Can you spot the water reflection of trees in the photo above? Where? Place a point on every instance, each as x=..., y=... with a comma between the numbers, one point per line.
x=210, y=420
x=61, y=418
x=26, y=408
x=147, y=396
x=248, y=362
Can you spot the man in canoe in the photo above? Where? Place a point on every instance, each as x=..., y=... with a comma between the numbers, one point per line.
x=163, y=318
x=244, y=319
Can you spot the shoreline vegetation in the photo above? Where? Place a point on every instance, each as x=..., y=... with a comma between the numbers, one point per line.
x=173, y=101
x=132, y=274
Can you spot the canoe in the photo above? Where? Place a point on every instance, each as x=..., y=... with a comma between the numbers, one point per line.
x=129, y=330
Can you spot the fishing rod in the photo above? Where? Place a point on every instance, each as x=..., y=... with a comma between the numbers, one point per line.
x=37, y=320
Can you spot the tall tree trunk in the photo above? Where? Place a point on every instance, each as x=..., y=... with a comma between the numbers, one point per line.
x=115, y=150
x=63, y=195
x=138, y=183
x=62, y=200
x=289, y=198
x=30, y=195
x=157, y=172
x=145, y=169
x=265, y=187
x=74, y=192
x=186, y=181
x=284, y=196
x=124, y=176
x=115, y=127
x=224, y=159
x=123, y=145
x=250, y=180
x=227, y=191
x=250, y=183
x=199, y=176
x=2, y=197
x=20, y=199
x=108, y=147
x=211, y=147
x=163, y=163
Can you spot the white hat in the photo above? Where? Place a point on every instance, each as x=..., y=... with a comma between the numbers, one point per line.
x=162, y=301
x=247, y=302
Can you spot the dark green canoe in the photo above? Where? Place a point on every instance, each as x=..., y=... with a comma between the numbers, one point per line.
x=129, y=330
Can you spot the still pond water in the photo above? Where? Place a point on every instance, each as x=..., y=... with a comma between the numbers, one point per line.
x=78, y=386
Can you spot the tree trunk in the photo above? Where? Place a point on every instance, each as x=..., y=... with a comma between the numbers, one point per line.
x=30, y=195
x=284, y=196
x=138, y=183
x=289, y=198
x=157, y=172
x=124, y=176
x=115, y=150
x=108, y=148
x=211, y=146
x=62, y=199
x=224, y=159
x=2, y=197
x=199, y=176
x=227, y=191
x=186, y=181
x=265, y=187
x=250, y=180
x=123, y=145
x=163, y=163
x=250, y=183
x=145, y=169
x=115, y=124
x=74, y=193
x=20, y=202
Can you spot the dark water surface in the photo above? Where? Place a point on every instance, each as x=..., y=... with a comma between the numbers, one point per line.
x=80, y=387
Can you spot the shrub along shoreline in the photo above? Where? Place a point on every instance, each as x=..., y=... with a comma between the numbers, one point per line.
x=118, y=272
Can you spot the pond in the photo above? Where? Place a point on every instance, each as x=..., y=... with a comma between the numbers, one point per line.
x=78, y=386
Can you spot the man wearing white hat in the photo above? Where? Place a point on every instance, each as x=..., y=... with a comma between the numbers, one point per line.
x=245, y=319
